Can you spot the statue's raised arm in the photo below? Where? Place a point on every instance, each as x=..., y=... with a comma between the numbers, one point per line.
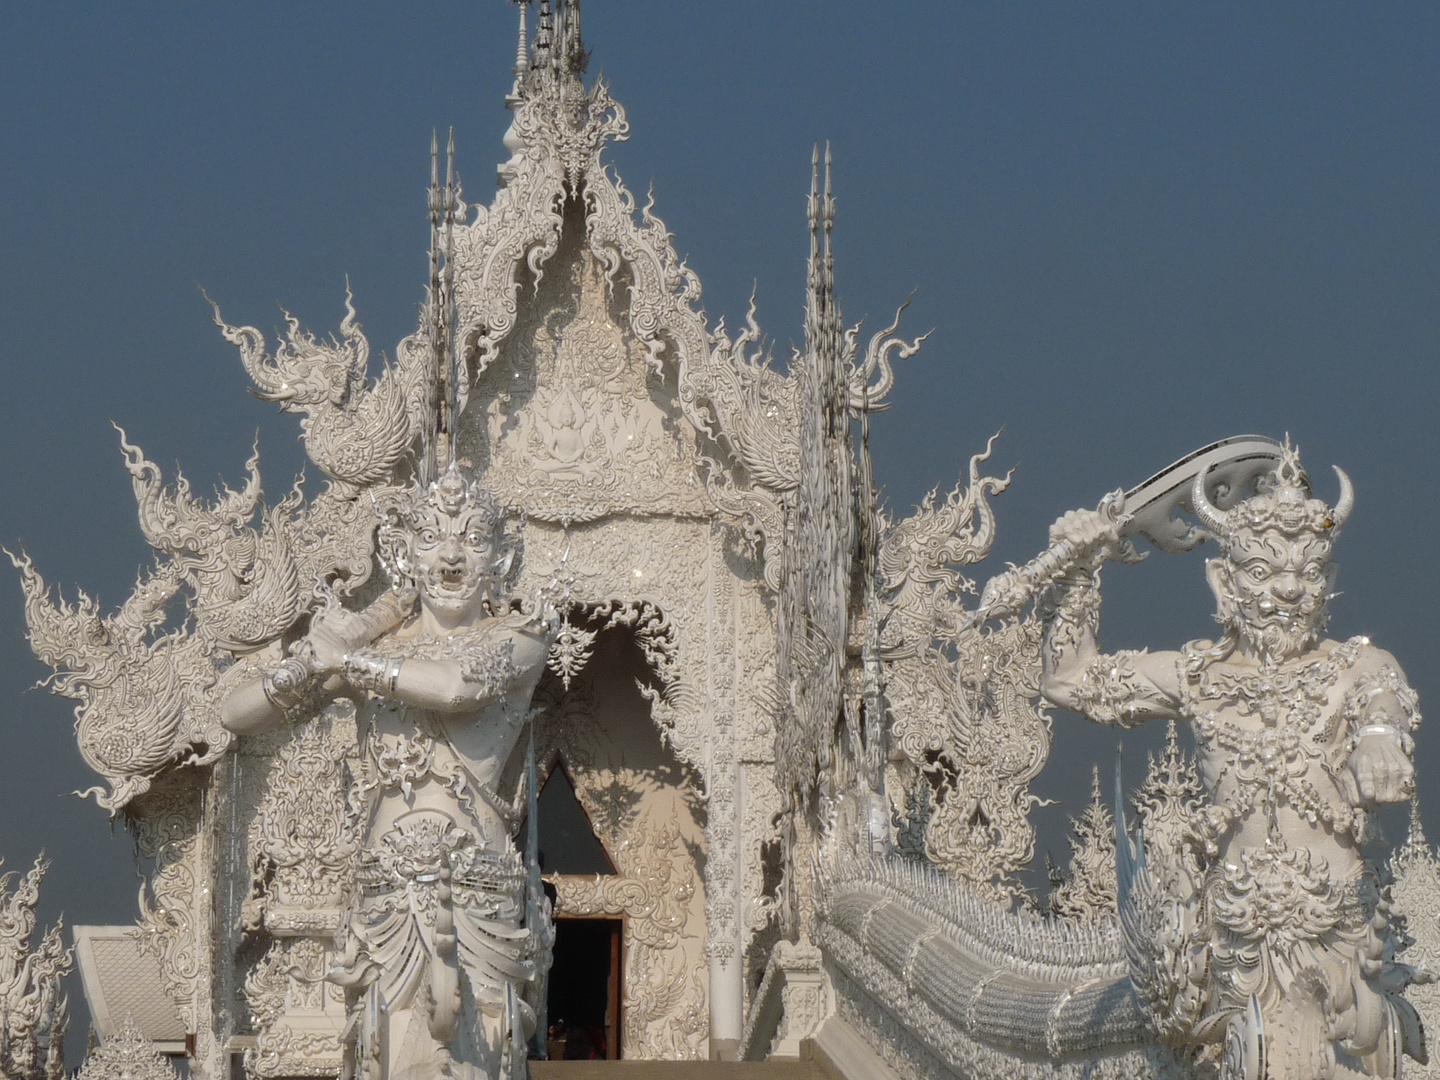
x=455, y=560
x=1124, y=688
x=296, y=687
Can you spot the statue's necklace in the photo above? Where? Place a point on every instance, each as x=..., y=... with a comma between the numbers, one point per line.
x=1271, y=765
x=1290, y=697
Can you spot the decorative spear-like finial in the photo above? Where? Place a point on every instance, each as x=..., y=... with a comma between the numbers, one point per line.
x=433, y=327
x=454, y=401
x=435, y=201
x=574, y=51
x=544, y=30
x=829, y=196
x=1417, y=844
x=833, y=328
x=812, y=212
x=522, y=49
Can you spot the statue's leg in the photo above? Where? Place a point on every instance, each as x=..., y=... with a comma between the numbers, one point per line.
x=1299, y=1044
x=412, y=1053
x=1245, y=1045
x=374, y=1054
x=1384, y=1060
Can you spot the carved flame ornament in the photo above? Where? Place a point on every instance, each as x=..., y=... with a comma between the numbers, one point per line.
x=34, y=1012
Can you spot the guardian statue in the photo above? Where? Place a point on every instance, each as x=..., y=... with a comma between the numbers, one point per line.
x=1259, y=938
x=439, y=952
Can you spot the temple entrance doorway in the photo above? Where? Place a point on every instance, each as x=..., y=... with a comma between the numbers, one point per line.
x=583, y=1004
x=583, y=995
x=621, y=829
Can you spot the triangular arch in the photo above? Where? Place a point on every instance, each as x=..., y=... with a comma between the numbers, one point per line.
x=569, y=843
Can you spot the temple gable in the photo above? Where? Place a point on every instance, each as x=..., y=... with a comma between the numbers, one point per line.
x=572, y=423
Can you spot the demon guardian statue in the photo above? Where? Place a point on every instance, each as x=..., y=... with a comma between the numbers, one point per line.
x=1261, y=928
x=439, y=949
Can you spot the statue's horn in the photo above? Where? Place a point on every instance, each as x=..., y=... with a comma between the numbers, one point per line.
x=1211, y=516
x=1346, y=503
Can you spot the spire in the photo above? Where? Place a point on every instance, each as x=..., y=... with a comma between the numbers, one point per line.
x=571, y=51
x=434, y=321
x=1416, y=834
x=435, y=202
x=1088, y=889
x=558, y=47
x=1417, y=845
x=828, y=212
x=445, y=207
x=812, y=211
x=452, y=353
x=522, y=49
x=544, y=34
x=822, y=317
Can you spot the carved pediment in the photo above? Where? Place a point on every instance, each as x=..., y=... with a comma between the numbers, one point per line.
x=492, y=265
x=571, y=423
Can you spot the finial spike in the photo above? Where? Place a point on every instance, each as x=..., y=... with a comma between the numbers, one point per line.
x=813, y=205
x=829, y=196
x=434, y=158
x=522, y=49
x=450, y=160
x=1416, y=835
x=574, y=45
x=544, y=25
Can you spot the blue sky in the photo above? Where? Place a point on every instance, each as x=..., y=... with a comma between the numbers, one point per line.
x=1135, y=228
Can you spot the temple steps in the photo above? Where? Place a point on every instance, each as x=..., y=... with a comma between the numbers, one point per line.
x=837, y=1052
x=786, y=1069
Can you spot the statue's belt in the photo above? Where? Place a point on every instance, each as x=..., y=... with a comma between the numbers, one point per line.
x=497, y=874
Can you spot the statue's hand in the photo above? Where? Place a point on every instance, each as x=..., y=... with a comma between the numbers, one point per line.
x=325, y=647
x=337, y=628
x=1086, y=530
x=1378, y=771
x=347, y=626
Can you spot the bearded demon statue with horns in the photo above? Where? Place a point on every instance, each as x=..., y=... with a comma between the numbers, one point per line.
x=1258, y=933
x=444, y=944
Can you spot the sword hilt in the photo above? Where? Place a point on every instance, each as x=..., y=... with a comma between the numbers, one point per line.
x=1008, y=592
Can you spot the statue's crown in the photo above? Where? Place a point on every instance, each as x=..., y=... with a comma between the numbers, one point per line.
x=454, y=495
x=1283, y=502
x=451, y=495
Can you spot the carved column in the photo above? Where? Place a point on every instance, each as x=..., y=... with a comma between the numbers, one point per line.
x=725, y=826
x=172, y=828
x=302, y=850
x=214, y=1022
x=723, y=871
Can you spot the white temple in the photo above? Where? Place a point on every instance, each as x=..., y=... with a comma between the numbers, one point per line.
x=778, y=753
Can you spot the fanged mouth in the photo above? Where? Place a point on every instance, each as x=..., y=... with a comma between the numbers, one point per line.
x=451, y=579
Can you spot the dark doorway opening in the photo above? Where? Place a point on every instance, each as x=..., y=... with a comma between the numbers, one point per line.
x=568, y=844
x=583, y=1003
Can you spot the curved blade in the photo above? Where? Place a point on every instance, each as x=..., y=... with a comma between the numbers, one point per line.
x=1232, y=465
